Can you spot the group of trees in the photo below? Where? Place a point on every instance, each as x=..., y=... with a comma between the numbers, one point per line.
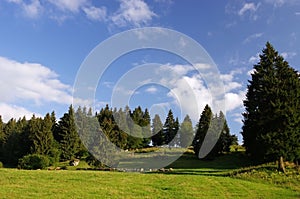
x=271, y=128
x=128, y=130
x=42, y=136
x=219, y=140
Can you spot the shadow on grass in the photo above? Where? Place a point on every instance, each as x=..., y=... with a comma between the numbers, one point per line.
x=223, y=165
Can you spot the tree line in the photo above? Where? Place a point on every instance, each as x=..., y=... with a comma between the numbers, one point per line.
x=126, y=129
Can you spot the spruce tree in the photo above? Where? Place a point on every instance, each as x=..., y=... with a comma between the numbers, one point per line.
x=186, y=132
x=157, y=131
x=170, y=129
x=202, y=128
x=68, y=137
x=271, y=119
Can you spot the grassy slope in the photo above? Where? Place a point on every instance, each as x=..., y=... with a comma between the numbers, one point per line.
x=191, y=178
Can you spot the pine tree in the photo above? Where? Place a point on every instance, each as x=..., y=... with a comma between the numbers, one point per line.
x=271, y=120
x=202, y=128
x=186, y=132
x=157, y=131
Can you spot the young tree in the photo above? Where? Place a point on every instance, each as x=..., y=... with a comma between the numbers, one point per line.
x=186, y=132
x=271, y=120
x=203, y=126
x=157, y=131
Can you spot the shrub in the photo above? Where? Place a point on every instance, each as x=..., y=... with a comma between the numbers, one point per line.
x=34, y=161
x=1, y=165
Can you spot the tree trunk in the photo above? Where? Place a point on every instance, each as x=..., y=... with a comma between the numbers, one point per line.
x=281, y=166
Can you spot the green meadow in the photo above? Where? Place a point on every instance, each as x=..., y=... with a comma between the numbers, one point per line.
x=228, y=176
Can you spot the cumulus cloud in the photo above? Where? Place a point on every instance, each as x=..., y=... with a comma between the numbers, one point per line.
x=132, y=12
x=188, y=89
x=234, y=100
x=31, y=81
x=9, y=111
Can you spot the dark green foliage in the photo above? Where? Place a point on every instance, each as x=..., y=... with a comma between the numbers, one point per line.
x=219, y=139
x=203, y=126
x=1, y=137
x=110, y=128
x=41, y=135
x=68, y=137
x=157, y=131
x=14, y=142
x=272, y=119
x=33, y=162
x=186, y=132
x=170, y=129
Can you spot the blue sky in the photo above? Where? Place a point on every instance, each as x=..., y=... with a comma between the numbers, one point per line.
x=44, y=42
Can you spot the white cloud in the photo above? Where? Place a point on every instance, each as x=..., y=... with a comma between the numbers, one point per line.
x=12, y=111
x=234, y=100
x=250, y=8
x=32, y=82
x=191, y=90
x=252, y=37
x=132, y=12
x=152, y=90
x=69, y=5
x=94, y=13
x=288, y=55
x=30, y=9
x=254, y=59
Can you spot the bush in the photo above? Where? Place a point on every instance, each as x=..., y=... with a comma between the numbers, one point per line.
x=1, y=165
x=34, y=161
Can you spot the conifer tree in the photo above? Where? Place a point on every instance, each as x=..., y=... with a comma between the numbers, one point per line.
x=157, y=131
x=170, y=129
x=186, y=132
x=68, y=137
x=271, y=120
x=202, y=128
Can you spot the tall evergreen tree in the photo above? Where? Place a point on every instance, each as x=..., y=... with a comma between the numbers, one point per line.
x=170, y=129
x=110, y=127
x=41, y=135
x=202, y=128
x=271, y=121
x=68, y=137
x=157, y=131
x=186, y=132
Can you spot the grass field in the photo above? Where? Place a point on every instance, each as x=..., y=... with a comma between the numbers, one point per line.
x=226, y=177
